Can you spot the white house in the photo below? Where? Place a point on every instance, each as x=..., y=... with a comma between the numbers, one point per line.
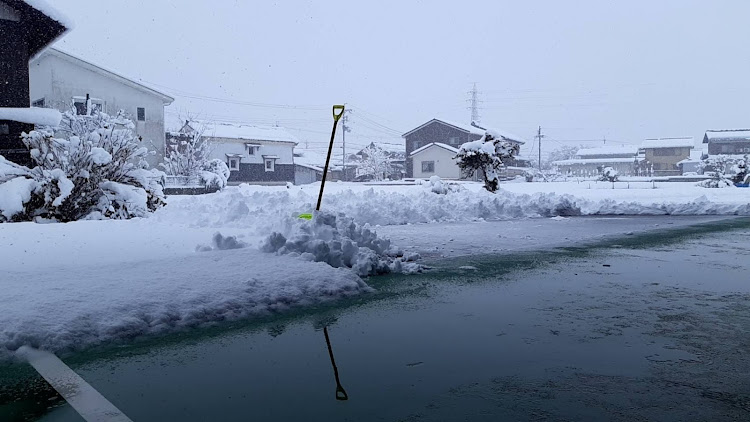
x=60, y=80
x=254, y=154
x=590, y=161
x=435, y=159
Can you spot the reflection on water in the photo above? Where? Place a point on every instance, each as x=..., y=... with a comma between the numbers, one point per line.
x=340, y=392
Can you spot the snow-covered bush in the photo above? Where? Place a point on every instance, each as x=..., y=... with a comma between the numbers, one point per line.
x=375, y=162
x=609, y=174
x=740, y=170
x=716, y=166
x=486, y=155
x=94, y=169
x=214, y=174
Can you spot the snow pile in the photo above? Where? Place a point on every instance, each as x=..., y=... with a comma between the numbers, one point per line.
x=219, y=242
x=338, y=241
x=92, y=303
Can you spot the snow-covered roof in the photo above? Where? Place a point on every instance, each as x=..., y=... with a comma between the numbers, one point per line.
x=248, y=132
x=33, y=115
x=166, y=99
x=309, y=158
x=733, y=135
x=684, y=142
x=471, y=128
x=316, y=168
x=593, y=161
x=611, y=150
x=46, y=23
x=434, y=144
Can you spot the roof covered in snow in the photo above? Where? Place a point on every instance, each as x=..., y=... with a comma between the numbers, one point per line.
x=611, y=150
x=733, y=135
x=473, y=129
x=683, y=142
x=434, y=144
x=46, y=23
x=33, y=115
x=166, y=99
x=593, y=161
x=248, y=132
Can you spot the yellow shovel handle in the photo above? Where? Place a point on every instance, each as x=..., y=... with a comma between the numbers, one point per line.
x=338, y=111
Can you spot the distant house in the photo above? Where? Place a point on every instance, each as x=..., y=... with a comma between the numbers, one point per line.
x=591, y=161
x=26, y=31
x=448, y=133
x=62, y=81
x=308, y=166
x=692, y=164
x=729, y=142
x=254, y=154
x=435, y=159
x=664, y=154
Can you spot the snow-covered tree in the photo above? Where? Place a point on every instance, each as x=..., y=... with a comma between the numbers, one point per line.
x=609, y=174
x=716, y=166
x=188, y=154
x=740, y=170
x=92, y=166
x=486, y=155
x=565, y=152
x=375, y=162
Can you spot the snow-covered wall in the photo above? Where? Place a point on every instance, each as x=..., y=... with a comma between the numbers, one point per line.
x=57, y=80
x=445, y=165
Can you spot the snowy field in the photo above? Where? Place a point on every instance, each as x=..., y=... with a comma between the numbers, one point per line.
x=68, y=286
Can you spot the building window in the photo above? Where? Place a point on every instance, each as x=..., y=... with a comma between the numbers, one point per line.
x=270, y=164
x=4, y=129
x=234, y=164
x=453, y=141
x=80, y=105
x=665, y=152
x=428, y=167
x=417, y=144
x=141, y=114
x=38, y=103
x=252, y=148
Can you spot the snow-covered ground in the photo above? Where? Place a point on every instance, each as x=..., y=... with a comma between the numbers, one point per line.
x=72, y=285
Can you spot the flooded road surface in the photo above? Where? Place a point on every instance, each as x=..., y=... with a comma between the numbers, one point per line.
x=651, y=326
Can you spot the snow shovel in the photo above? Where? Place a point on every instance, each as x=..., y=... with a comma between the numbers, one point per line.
x=338, y=111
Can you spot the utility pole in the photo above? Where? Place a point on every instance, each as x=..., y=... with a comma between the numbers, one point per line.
x=474, y=103
x=539, y=136
x=344, y=120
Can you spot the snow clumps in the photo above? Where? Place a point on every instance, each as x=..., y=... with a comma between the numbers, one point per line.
x=340, y=242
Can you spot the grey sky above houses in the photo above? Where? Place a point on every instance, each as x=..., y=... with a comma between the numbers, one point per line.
x=583, y=70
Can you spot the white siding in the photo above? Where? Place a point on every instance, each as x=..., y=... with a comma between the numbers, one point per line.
x=58, y=80
x=445, y=165
x=220, y=147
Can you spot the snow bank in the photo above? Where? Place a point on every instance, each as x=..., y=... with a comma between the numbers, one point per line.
x=33, y=115
x=338, y=241
x=88, y=305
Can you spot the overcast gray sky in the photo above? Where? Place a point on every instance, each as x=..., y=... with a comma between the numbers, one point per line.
x=583, y=70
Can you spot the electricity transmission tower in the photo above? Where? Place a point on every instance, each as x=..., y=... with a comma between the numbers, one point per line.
x=474, y=103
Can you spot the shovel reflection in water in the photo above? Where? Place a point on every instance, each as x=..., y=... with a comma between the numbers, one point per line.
x=340, y=392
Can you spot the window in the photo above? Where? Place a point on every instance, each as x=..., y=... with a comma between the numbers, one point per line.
x=270, y=164
x=428, y=167
x=453, y=140
x=234, y=163
x=664, y=152
x=38, y=103
x=4, y=129
x=141, y=114
x=251, y=149
x=80, y=105
x=417, y=144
